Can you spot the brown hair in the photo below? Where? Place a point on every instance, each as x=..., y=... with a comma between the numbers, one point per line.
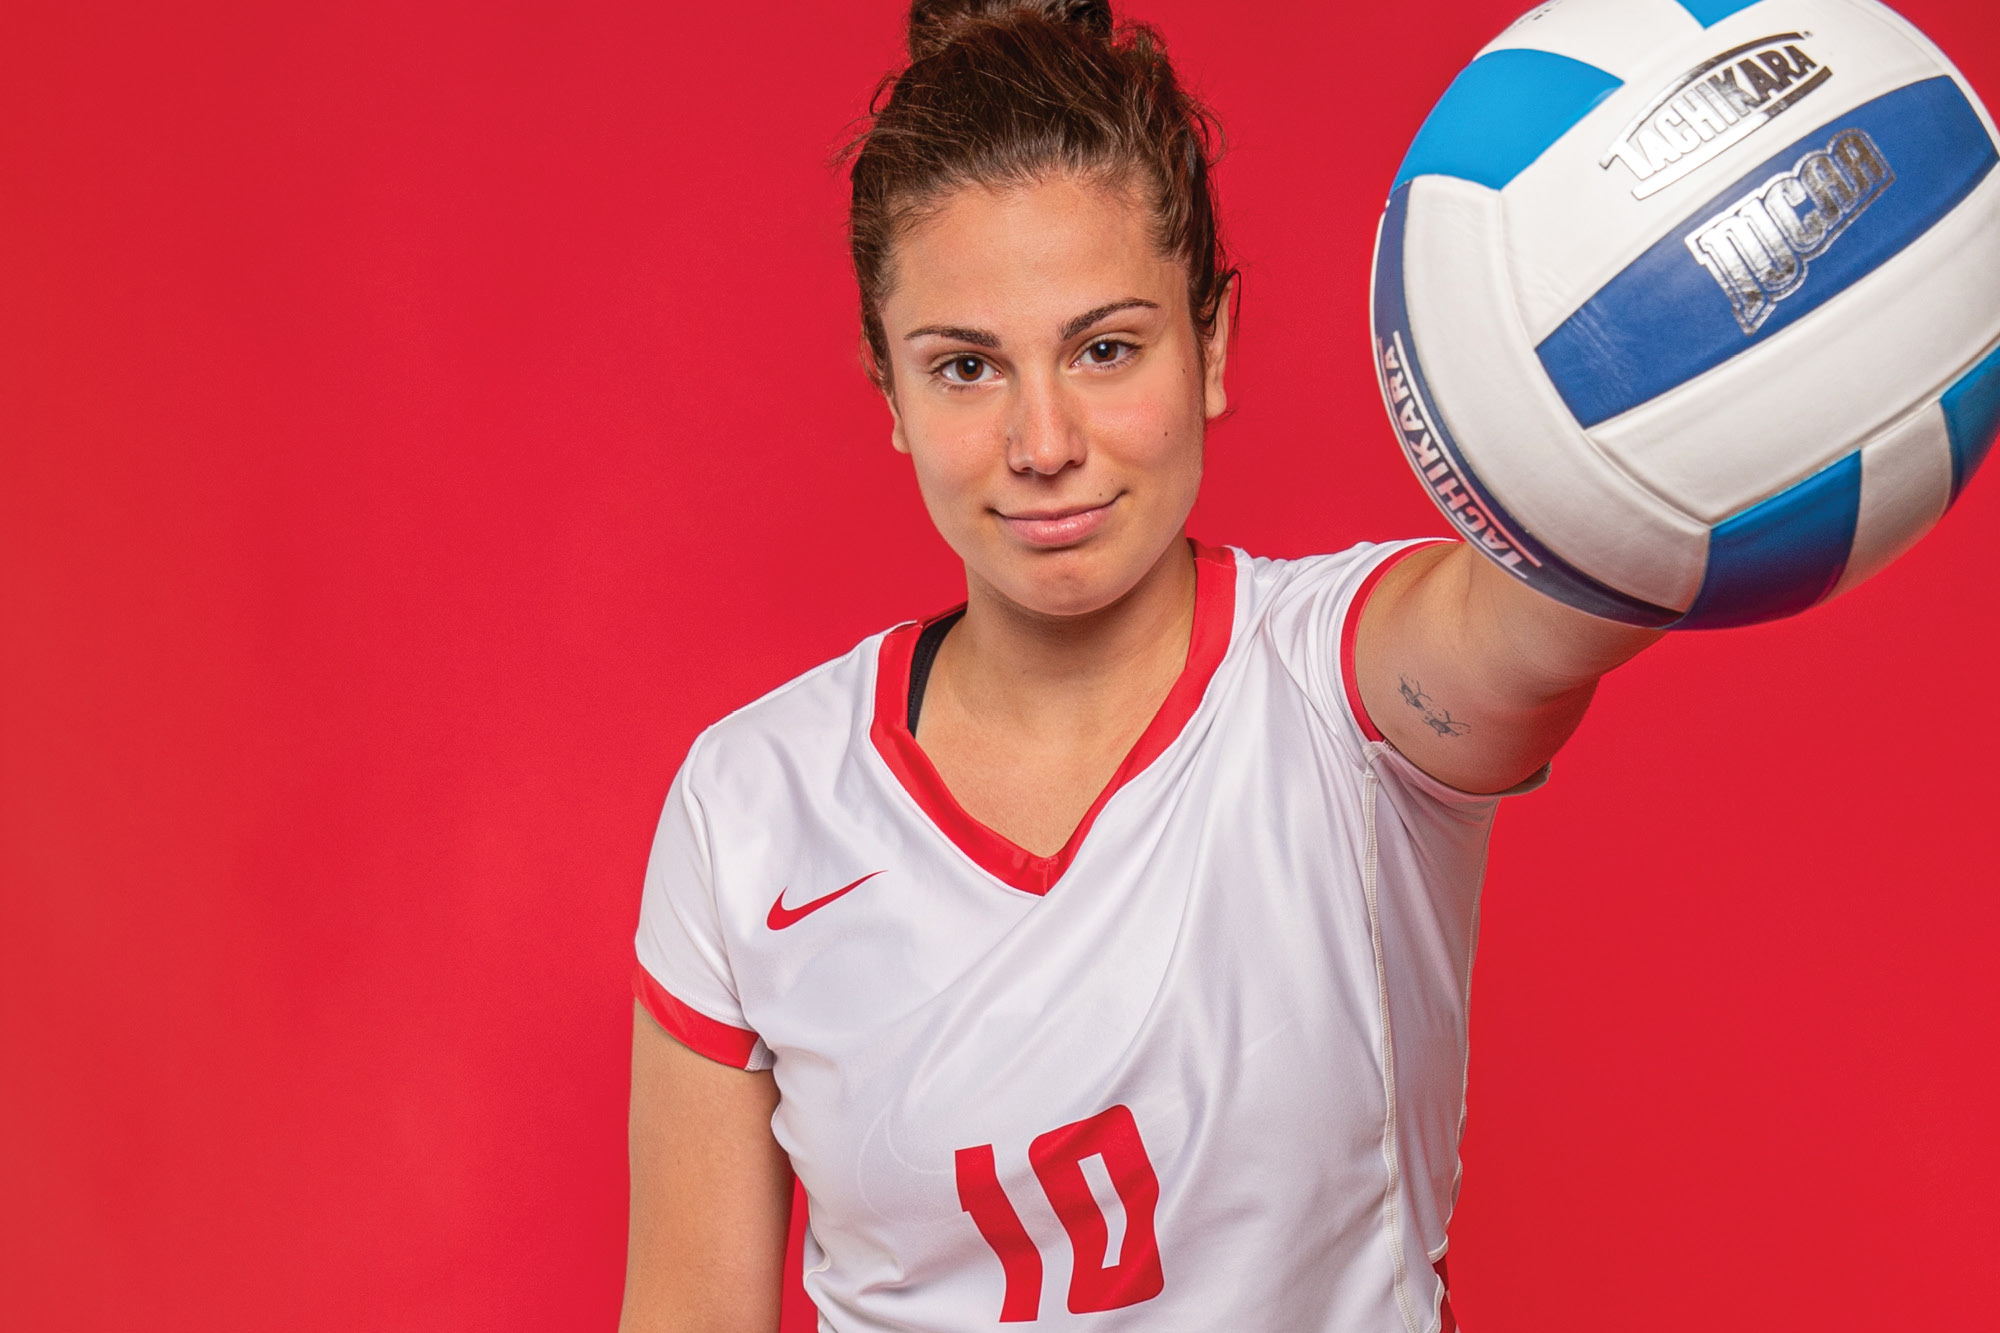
x=1008, y=92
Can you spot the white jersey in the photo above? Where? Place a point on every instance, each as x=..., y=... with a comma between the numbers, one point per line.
x=1203, y=1068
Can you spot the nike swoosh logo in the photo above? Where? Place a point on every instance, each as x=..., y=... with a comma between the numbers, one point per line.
x=782, y=916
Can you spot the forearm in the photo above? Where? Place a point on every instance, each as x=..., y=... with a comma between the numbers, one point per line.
x=1525, y=648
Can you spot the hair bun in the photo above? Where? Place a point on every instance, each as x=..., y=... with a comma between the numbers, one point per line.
x=936, y=24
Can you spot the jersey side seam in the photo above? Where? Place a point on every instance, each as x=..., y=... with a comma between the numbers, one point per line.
x=1464, y=1072
x=1392, y=1158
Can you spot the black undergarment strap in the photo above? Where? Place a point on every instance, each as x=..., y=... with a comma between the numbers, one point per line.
x=923, y=657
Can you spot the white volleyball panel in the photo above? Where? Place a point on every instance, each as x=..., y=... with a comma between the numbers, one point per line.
x=1581, y=212
x=1508, y=421
x=1796, y=402
x=1624, y=39
x=1905, y=488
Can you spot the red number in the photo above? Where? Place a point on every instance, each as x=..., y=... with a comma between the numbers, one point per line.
x=1057, y=1158
x=979, y=1193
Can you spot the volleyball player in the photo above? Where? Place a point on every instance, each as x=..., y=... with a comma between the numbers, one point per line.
x=1096, y=953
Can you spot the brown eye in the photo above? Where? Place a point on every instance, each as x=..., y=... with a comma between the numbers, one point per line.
x=1103, y=351
x=967, y=368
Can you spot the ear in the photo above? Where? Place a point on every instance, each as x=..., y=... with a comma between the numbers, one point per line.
x=1215, y=354
x=897, y=439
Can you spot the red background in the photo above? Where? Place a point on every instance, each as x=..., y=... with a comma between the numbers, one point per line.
x=416, y=422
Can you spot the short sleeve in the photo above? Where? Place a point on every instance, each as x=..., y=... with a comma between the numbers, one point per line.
x=1317, y=627
x=683, y=975
x=1315, y=612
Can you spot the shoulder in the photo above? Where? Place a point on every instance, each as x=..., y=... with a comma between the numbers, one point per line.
x=1274, y=586
x=1300, y=616
x=803, y=728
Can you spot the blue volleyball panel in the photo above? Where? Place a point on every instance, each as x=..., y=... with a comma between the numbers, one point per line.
x=1669, y=317
x=1972, y=416
x=1456, y=488
x=1708, y=13
x=1501, y=113
x=1779, y=557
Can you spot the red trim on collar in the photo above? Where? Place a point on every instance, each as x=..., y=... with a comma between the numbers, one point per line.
x=1350, y=628
x=999, y=856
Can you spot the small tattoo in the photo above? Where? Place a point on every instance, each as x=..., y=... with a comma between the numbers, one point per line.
x=1437, y=719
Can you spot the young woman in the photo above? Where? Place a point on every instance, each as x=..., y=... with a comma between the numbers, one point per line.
x=1096, y=953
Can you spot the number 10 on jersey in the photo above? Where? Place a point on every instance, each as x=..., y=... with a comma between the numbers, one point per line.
x=1057, y=1158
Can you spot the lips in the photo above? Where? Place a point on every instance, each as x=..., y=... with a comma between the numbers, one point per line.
x=1052, y=527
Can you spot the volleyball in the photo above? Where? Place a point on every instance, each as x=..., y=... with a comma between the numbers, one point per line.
x=1687, y=312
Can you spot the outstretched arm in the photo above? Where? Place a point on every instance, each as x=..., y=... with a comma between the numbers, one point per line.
x=1474, y=677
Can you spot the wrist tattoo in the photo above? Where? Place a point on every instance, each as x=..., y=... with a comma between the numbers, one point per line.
x=1437, y=719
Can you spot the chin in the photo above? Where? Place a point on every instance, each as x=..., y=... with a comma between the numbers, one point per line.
x=1070, y=581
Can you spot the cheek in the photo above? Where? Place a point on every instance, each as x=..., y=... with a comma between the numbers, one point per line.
x=952, y=468
x=1161, y=424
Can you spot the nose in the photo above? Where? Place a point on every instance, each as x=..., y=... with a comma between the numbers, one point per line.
x=1045, y=431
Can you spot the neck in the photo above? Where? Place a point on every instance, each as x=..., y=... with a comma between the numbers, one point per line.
x=1038, y=672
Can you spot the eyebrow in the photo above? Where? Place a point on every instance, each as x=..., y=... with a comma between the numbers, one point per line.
x=1090, y=317
x=991, y=341
x=977, y=337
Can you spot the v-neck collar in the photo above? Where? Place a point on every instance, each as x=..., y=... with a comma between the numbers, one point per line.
x=999, y=856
